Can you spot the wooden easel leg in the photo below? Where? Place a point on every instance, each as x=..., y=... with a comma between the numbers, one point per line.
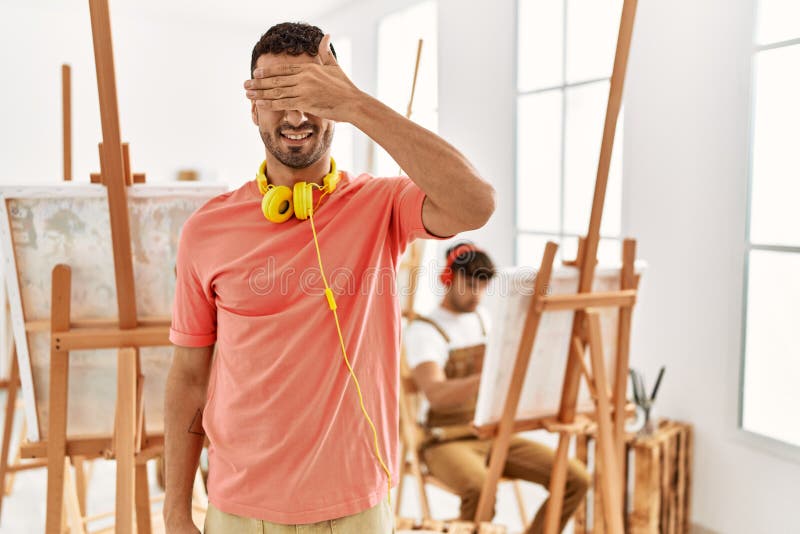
x=79, y=462
x=398, y=501
x=598, y=519
x=558, y=482
x=57, y=418
x=627, y=281
x=124, y=441
x=23, y=435
x=611, y=483
x=73, y=516
x=8, y=422
x=499, y=450
x=143, y=520
x=423, y=494
x=582, y=454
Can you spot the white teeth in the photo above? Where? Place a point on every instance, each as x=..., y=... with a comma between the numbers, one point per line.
x=297, y=137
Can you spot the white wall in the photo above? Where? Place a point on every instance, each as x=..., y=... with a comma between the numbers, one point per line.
x=179, y=81
x=686, y=164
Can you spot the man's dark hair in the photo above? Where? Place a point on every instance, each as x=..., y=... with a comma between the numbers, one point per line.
x=473, y=263
x=293, y=38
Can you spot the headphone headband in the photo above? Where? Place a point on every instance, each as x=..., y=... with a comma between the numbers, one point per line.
x=329, y=182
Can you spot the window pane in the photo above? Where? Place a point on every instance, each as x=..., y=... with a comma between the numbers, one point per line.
x=585, y=115
x=398, y=36
x=772, y=354
x=775, y=218
x=530, y=249
x=778, y=20
x=592, y=27
x=609, y=251
x=539, y=162
x=343, y=145
x=541, y=44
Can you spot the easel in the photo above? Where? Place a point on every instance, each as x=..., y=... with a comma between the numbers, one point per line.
x=129, y=444
x=585, y=333
x=411, y=264
x=8, y=470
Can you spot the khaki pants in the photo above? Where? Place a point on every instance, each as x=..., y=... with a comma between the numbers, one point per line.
x=461, y=464
x=376, y=520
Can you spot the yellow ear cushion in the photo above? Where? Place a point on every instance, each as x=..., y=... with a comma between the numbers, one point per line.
x=277, y=204
x=261, y=178
x=303, y=200
x=332, y=178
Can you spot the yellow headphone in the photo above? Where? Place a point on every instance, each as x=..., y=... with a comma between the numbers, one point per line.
x=280, y=203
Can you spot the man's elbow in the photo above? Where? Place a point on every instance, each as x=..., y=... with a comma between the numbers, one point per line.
x=484, y=207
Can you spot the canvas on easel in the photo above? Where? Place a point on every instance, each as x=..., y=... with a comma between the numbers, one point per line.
x=507, y=301
x=41, y=227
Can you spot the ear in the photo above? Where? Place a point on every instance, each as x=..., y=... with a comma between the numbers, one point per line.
x=254, y=112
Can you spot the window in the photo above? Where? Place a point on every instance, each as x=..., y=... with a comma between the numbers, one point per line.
x=343, y=146
x=565, y=57
x=398, y=37
x=771, y=354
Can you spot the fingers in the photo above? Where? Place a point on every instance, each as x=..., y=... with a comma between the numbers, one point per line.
x=325, y=51
x=283, y=104
x=277, y=70
x=275, y=93
x=274, y=81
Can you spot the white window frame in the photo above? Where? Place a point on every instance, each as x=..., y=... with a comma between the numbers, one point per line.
x=773, y=446
x=561, y=235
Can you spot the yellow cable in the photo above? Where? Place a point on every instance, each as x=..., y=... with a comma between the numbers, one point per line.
x=332, y=306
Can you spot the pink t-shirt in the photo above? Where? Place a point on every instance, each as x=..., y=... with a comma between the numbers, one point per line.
x=289, y=443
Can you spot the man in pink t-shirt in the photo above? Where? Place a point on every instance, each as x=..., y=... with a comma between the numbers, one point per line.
x=289, y=444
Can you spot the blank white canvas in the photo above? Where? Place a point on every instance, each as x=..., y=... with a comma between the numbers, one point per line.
x=508, y=298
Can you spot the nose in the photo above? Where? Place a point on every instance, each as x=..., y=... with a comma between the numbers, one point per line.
x=295, y=117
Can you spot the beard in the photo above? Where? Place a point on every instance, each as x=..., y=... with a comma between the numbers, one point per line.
x=298, y=157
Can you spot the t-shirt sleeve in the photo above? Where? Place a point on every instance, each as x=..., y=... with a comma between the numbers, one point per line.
x=407, y=212
x=194, y=311
x=424, y=344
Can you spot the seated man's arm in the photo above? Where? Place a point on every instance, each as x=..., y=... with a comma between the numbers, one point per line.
x=440, y=391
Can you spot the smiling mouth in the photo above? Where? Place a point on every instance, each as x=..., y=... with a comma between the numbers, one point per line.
x=296, y=136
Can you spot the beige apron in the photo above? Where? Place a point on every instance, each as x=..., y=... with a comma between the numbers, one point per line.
x=455, y=422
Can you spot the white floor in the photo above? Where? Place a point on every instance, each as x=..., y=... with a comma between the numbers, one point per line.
x=23, y=511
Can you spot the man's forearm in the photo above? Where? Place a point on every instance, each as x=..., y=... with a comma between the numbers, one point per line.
x=453, y=391
x=184, y=437
x=438, y=168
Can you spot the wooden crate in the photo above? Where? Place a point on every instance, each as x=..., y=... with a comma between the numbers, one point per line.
x=404, y=525
x=658, y=470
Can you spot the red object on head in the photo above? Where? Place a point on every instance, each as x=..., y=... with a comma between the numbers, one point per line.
x=447, y=273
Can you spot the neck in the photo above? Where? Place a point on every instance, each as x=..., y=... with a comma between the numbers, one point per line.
x=447, y=305
x=280, y=174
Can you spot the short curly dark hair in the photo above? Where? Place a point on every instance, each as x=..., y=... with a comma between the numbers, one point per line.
x=293, y=38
